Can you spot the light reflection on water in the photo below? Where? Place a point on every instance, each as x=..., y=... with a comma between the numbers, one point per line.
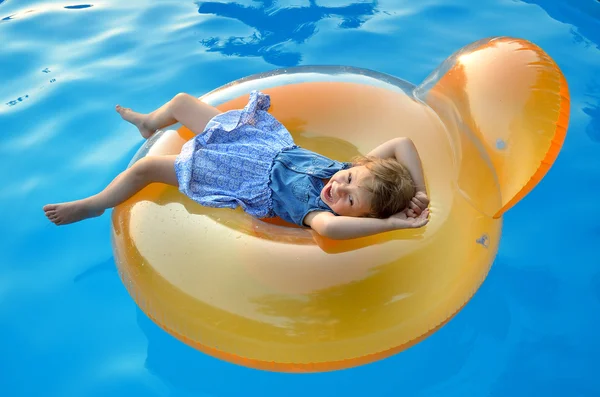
x=67, y=326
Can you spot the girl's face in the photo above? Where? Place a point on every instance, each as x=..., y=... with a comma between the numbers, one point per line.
x=345, y=192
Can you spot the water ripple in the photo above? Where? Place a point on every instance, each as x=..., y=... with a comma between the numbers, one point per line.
x=79, y=6
x=65, y=317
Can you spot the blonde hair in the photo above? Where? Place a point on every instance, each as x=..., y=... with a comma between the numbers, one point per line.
x=392, y=186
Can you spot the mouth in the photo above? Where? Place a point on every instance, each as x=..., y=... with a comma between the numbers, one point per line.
x=327, y=194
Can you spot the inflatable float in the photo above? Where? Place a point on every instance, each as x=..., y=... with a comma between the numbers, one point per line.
x=488, y=123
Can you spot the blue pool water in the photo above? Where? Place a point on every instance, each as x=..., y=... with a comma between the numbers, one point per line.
x=68, y=326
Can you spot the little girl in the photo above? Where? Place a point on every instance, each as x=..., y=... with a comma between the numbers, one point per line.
x=247, y=158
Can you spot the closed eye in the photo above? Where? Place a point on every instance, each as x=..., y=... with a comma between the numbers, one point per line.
x=349, y=177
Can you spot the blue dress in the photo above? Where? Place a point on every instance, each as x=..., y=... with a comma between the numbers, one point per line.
x=247, y=158
x=297, y=178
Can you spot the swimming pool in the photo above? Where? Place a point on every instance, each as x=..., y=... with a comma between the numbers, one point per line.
x=68, y=326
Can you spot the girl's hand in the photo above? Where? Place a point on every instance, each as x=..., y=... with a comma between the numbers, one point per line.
x=417, y=205
x=402, y=220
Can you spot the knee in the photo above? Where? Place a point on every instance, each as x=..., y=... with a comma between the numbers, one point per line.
x=182, y=97
x=142, y=169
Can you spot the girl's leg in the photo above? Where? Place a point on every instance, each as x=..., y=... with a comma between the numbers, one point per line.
x=145, y=171
x=183, y=108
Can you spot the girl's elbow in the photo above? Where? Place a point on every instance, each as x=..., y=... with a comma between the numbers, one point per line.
x=327, y=229
x=405, y=141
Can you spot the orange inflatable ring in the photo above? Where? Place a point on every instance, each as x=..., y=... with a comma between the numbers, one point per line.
x=488, y=123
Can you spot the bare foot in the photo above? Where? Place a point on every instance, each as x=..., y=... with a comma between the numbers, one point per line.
x=73, y=211
x=136, y=119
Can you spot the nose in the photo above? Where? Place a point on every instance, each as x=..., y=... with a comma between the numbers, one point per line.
x=341, y=188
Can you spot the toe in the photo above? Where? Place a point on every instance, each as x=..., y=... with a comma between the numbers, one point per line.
x=49, y=207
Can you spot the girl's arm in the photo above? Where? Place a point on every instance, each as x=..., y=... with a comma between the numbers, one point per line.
x=347, y=227
x=405, y=152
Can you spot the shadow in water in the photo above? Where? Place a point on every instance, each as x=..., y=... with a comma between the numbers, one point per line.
x=592, y=109
x=275, y=26
x=584, y=16
x=108, y=266
x=595, y=285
